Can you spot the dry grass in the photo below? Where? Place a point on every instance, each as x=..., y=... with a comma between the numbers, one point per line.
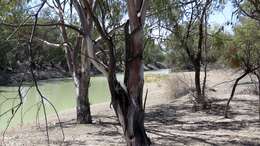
x=169, y=121
x=155, y=78
x=180, y=85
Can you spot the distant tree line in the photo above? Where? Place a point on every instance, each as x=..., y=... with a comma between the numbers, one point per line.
x=78, y=35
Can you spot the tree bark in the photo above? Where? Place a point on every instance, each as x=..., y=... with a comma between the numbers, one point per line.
x=258, y=78
x=197, y=83
x=134, y=80
x=82, y=85
x=201, y=99
x=83, y=106
x=205, y=54
x=81, y=66
x=233, y=92
x=126, y=98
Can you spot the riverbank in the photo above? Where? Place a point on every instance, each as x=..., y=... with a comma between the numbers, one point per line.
x=170, y=117
x=13, y=78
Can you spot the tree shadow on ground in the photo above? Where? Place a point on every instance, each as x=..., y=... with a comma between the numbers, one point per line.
x=169, y=125
x=178, y=124
x=104, y=128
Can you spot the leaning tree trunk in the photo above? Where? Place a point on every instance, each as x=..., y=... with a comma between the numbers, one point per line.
x=127, y=102
x=233, y=92
x=127, y=99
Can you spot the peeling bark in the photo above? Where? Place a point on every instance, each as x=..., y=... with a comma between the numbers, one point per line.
x=126, y=98
x=83, y=105
x=79, y=68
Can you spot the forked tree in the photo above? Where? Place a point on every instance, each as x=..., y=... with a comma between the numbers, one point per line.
x=126, y=98
x=195, y=33
x=250, y=62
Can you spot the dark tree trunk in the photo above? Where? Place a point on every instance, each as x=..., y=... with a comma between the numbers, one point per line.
x=204, y=80
x=128, y=108
x=130, y=114
x=127, y=99
x=233, y=92
x=197, y=83
x=134, y=80
x=130, y=117
x=205, y=54
x=258, y=78
x=196, y=56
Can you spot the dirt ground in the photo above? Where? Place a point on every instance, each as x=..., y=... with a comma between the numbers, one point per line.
x=170, y=120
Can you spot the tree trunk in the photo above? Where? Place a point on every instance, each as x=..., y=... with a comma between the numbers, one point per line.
x=83, y=106
x=233, y=92
x=204, y=80
x=127, y=103
x=199, y=98
x=82, y=84
x=130, y=113
x=258, y=78
x=134, y=80
x=127, y=99
x=133, y=115
x=82, y=66
x=206, y=54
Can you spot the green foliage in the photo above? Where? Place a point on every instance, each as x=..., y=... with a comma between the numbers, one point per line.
x=176, y=54
x=5, y=47
x=152, y=52
x=246, y=43
x=14, y=51
x=165, y=11
x=218, y=42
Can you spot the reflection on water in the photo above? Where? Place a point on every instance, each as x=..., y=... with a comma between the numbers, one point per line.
x=60, y=92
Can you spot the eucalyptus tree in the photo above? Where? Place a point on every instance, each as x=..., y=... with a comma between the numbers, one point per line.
x=98, y=47
x=9, y=11
x=186, y=22
x=126, y=98
x=190, y=31
x=246, y=51
x=247, y=37
x=94, y=36
x=75, y=53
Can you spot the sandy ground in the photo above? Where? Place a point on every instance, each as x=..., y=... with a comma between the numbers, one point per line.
x=171, y=119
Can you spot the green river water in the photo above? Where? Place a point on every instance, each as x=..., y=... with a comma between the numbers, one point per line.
x=60, y=92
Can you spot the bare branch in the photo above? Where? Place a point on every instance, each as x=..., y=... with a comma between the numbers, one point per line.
x=70, y=26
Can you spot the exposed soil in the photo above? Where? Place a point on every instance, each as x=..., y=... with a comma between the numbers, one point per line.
x=170, y=119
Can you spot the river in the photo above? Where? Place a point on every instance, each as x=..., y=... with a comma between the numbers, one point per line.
x=60, y=92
